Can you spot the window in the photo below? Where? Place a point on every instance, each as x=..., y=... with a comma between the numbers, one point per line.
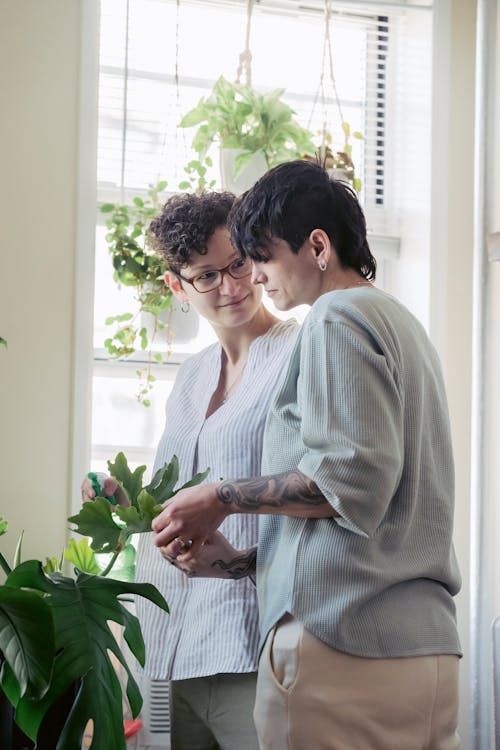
x=158, y=57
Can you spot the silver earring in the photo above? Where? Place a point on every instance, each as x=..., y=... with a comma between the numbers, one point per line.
x=322, y=265
x=184, y=306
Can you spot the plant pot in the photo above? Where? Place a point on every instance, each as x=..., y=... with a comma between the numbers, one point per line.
x=254, y=169
x=179, y=327
x=340, y=174
x=12, y=738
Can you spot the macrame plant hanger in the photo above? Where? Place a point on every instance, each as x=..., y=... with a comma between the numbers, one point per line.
x=245, y=61
x=321, y=93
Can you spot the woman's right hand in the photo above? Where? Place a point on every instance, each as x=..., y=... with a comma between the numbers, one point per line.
x=109, y=487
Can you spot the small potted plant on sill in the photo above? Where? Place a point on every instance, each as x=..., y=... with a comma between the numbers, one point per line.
x=254, y=131
x=55, y=641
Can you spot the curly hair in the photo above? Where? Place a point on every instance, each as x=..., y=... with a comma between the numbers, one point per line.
x=186, y=223
x=289, y=202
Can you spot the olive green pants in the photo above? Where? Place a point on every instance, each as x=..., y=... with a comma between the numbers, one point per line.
x=214, y=713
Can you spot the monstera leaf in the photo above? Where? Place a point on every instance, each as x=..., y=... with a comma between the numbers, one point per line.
x=80, y=610
x=26, y=640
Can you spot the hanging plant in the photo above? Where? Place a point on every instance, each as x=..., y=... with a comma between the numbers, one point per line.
x=338, y=161
x=136, y=265
x=237, y=117
x=336, y=157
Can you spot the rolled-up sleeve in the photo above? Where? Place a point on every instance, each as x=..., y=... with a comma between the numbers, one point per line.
x=352, y=421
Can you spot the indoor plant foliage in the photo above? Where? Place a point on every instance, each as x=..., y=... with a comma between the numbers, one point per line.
x=338, y=160
x=136, y=265
x=55, y=638
x=238, y=117
x=54, y=632
x=111, y=526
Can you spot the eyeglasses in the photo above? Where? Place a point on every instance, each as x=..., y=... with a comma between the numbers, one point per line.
x=210, y=280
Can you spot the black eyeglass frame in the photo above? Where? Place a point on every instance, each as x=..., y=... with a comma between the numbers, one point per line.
x=222, y=271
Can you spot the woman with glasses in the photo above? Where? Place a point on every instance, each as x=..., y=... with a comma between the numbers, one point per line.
x=215, y=417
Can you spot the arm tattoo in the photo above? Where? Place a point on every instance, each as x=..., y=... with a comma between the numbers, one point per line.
x=278, y=491
x=240, y=566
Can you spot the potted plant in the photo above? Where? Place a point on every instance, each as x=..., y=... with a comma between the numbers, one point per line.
x=55, y=640
x=253, y=130
x=136, y=265
x=338, y=161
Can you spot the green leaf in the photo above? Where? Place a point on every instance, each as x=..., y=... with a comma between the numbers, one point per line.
x=197, y=479
x=81, y=556
x=82, y=610
x=51, y=565
x=26, y=641
x=130, y=481
x=162, y=484
x=123, y=567
x=3, y=526
x=107, y=208
x=18, y=550
x=138, y=520
x=95, y=520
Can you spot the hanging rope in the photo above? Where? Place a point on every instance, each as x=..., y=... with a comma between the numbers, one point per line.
x=125, y=105
x=321, y=92
x=245, y=63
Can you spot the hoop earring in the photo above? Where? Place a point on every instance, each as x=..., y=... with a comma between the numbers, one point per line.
x=185, y=307
x=322, y=265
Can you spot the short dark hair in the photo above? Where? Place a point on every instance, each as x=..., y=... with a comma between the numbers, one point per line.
x=291, y=200
x=186, y=223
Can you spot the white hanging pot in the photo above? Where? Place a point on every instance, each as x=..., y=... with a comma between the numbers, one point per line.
x=339, y=174
x=179, y=328
x=251, y=172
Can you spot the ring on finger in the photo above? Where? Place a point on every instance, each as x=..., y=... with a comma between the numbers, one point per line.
x=183, y=546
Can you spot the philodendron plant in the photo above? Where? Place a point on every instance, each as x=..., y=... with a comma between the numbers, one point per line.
x=54, y=631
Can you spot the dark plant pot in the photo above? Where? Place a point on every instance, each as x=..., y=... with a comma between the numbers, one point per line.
x=11, y=737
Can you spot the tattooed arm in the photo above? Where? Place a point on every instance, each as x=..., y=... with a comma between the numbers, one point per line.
x=216, y=558
x=194, y=513
x=289, y=494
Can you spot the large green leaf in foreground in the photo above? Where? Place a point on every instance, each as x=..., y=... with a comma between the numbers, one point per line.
x=81, y=611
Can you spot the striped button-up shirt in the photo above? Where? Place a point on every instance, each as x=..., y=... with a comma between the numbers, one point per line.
x=213, y=624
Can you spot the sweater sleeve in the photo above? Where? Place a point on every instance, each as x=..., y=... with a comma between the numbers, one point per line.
x=352, y=421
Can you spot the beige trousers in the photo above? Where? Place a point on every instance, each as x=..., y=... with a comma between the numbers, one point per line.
x=311, y=697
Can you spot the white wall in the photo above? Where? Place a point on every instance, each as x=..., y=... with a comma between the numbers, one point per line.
x=39, y=78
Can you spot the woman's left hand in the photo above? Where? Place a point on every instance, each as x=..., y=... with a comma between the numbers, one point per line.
x=215, y=558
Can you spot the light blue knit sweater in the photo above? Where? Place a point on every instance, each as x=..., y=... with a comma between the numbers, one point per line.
x=362, y=411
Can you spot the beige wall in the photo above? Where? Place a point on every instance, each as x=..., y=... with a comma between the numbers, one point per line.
x=456, y=287
x=39, y=77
